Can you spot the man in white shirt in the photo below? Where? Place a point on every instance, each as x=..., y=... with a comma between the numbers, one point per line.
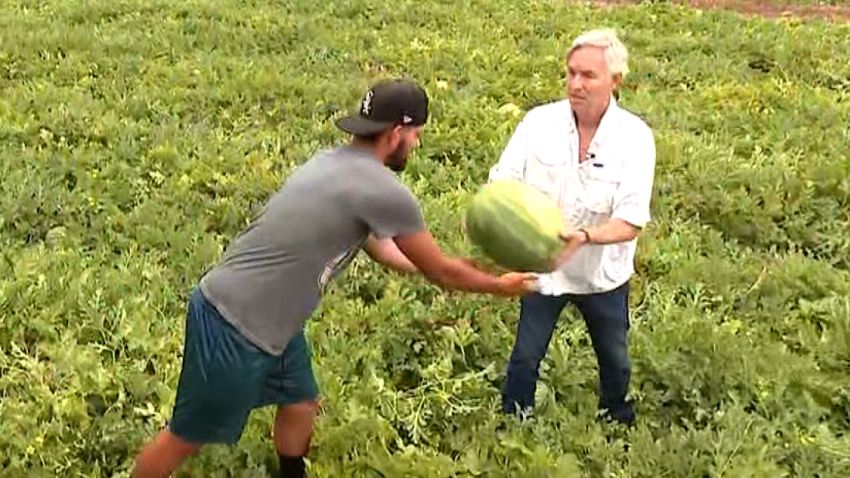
x=597, y=161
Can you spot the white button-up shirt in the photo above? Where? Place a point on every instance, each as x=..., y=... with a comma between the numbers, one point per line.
x=614, y=182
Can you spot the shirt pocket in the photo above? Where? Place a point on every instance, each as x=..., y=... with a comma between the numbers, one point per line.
x=545, y=172
x=599, y=185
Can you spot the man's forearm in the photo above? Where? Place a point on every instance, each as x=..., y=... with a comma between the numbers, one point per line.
x=612, y=232
x=459, y=274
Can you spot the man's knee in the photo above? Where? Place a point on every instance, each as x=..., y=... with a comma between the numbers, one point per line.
x=302, y=408
x=163, y=455
x=613, y=359
x=178, y=444
x=528, y=353
x=294, y=427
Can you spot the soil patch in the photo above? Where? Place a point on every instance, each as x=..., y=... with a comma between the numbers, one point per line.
x=767, y=9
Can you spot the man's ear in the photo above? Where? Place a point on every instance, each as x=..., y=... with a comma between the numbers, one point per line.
x=395, y=136
x=384, y=137
x=618, y=80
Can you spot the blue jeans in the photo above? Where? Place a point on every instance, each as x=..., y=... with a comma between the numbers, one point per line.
x=607, y=318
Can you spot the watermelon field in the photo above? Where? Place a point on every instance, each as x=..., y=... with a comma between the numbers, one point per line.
x=138, y=136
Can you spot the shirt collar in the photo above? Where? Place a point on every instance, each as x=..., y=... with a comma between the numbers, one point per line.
x=356, y=151
x=605, y=124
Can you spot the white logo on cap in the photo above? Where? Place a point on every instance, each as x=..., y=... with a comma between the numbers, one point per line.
x=406, y=119
x=366, y=106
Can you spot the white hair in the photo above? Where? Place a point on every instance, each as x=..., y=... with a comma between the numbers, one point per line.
x=616, y=55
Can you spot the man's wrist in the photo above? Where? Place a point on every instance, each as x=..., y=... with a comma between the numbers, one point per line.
x=587, y=239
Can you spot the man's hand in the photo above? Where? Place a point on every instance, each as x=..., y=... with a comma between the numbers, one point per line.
x=572, y=242
x=517, y=283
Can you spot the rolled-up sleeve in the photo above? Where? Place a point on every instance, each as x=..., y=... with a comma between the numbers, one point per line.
x=633, y=197
x=511, y=164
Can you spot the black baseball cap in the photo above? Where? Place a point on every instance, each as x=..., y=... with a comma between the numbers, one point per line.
x=386, y=104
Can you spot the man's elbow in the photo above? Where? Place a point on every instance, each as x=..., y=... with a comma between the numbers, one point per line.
x=629, y=230
x=379, y=250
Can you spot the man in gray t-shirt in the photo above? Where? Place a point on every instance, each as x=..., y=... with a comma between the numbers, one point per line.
x=272, y=276
x=245, y=345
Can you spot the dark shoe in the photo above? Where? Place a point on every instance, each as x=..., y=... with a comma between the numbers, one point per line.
x=624, y=415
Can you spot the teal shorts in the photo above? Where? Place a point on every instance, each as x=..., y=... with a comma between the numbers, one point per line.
x=224, y=377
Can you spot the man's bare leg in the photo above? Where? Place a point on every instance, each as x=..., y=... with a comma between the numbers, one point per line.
x=162, y=455
x=293, y=429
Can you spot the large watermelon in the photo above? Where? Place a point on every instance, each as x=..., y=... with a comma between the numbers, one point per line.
x=515, y=225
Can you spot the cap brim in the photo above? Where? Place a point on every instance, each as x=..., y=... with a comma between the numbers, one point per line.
x=361, y=126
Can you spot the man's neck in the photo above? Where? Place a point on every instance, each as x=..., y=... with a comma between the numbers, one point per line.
x=588, y=121
x=372, y=148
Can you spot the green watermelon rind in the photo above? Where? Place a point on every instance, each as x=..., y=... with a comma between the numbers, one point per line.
x=534, y=230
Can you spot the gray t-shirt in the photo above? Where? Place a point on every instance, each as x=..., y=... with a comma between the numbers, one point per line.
x=273, y=274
